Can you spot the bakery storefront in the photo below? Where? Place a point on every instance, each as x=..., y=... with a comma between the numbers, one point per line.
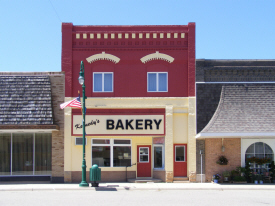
x=130, y=143
x=140, y=117
x=120, y=138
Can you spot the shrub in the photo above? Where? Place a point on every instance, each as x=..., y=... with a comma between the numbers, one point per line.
x=239, y=179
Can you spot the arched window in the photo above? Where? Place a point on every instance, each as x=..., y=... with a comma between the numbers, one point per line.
x=259, y=150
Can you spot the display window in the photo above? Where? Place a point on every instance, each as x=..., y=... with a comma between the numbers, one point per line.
x=26, y=154
x=111, y=152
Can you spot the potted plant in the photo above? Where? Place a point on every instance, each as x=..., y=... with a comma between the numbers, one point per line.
x=260, y=179
x=222, y=160
x=216, y=178
x=241, y=170
x=239, y=179
x=257, y=178
x=248, y=172
x=272, y=171
x=253, y=159
x=226, y=174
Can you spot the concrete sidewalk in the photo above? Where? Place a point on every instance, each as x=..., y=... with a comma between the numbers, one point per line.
x=10, y=186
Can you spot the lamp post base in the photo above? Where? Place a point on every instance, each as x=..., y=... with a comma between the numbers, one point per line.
x=84, y=184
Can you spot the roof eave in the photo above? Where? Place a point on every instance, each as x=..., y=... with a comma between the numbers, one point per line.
x=30, y=128
x=236, y=135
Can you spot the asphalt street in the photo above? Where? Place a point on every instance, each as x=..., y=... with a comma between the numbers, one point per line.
x=138, y=197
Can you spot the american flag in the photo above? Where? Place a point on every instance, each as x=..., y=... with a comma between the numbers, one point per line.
x=73, y=103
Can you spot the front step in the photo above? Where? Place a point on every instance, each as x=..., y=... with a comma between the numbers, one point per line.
x=181, y=180
x=144, y=180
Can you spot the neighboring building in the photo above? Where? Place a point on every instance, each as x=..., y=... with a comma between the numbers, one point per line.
x=235, y=112
x=141, y=105
x=31, y=126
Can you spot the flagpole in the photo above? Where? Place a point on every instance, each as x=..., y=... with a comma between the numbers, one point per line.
x=82, y=82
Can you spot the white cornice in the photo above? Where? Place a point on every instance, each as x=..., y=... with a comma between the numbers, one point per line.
x=236, y=135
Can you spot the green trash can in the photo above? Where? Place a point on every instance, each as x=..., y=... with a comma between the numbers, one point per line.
x=95, y=175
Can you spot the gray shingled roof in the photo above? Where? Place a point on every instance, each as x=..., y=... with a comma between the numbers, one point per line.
x=25, y=100
x=208, y=98
x=244, y=108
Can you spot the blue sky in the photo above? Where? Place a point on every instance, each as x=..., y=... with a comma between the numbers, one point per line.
x=30, y=36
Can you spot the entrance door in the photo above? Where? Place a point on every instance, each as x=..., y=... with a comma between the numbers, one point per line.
x=180, y=160
x=144, y=161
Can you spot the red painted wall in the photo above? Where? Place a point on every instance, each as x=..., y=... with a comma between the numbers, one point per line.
x=130, y=74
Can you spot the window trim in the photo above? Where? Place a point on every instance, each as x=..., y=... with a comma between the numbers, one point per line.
x=254, y=150
x=147, y=155
x=111, y=145
x=176, y=153
x=157, y=81
x=162, y=147
x=102, y=86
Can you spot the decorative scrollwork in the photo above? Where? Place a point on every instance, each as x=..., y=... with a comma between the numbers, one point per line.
x=156, y=56
x=103, y=56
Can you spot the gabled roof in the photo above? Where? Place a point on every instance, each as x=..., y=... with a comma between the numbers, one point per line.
x=243, y=109
x=25, y=100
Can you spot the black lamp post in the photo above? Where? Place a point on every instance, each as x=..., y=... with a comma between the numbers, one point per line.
x=82, y=82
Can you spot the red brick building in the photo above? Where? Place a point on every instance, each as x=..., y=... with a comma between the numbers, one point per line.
x=140, y=88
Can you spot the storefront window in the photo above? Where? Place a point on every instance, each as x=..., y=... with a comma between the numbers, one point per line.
x=259, y=150
x=5, y=154
x=111, y=152
x=101, y=156
x=158, y=157
x=22, y=154
x=122, y=156
x=43, y=154
x=25, y=154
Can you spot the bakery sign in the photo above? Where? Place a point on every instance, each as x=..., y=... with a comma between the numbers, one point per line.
x=119, y=125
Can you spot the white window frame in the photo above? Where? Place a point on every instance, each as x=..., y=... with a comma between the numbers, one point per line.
x=157, y=81
x=102, y=86
x=184, y=153
x=245, y=143
x=111, y=145
x=162, y=147
x=254, y=149
x=147, y=154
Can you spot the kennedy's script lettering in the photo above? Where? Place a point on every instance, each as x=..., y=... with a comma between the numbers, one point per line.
x=92, y=122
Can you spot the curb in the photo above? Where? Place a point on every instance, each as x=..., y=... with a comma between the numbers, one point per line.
x=125, y=188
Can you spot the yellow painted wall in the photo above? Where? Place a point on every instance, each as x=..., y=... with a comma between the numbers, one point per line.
x=180, y=121
x=76, y=158
x=191, y=152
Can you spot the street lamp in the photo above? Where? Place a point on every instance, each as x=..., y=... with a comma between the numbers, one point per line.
x=82, y=82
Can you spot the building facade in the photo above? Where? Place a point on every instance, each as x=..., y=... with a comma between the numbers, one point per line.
x=235, y=106
x=140, y=106
x=31, y=126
